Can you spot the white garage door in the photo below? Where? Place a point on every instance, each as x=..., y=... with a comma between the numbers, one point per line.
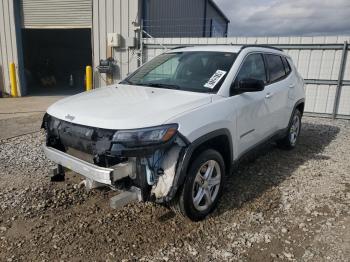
x=56, y=13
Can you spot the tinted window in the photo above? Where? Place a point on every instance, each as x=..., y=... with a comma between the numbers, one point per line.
x=286, y=65
x=189, y=71
x=275, y=66
x=253, y=68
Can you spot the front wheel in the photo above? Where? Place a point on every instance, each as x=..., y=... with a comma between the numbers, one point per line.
x=292, y=136
x=202, y=188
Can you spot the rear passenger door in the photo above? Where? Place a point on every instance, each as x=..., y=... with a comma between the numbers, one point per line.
x=277, y=91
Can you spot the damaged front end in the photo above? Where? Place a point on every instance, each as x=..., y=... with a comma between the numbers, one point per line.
x=147, y=159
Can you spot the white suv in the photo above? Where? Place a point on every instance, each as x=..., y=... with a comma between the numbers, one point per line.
x=171, y=131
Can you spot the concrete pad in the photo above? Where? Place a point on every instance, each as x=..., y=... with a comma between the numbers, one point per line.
x=20, y=125
x=28, y=104
x=19, y=116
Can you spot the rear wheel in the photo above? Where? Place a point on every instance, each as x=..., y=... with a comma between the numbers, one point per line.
x=292, y=136
x=202, y=188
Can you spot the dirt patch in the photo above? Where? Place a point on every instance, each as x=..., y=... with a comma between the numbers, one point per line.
x=278, y=206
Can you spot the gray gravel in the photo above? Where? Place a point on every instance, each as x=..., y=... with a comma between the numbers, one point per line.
x=278, y=206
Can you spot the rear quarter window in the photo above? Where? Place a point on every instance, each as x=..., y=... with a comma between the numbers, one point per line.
x=275, y=66
x=286, y=64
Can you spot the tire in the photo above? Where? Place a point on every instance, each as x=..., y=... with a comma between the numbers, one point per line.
x=197, y=197
x=292, y=136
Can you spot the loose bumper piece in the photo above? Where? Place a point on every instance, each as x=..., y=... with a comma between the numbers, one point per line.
x=96, y=173
x=126, y=197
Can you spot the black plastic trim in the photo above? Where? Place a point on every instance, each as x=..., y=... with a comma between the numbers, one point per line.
x=181, y=46
x=262, y=46
x=45, y=119
x=256, y=147
x=299, y=102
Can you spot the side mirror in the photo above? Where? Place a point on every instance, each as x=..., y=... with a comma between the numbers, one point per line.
x=250, y=85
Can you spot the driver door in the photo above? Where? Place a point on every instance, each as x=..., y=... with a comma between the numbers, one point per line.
x=252, y=110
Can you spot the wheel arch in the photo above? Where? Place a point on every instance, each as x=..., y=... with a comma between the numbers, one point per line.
x=219, y=140
x=300, y=105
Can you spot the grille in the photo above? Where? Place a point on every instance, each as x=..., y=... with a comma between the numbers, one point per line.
x=90, y=140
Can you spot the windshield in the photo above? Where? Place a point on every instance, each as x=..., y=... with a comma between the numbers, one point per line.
x=189, y=71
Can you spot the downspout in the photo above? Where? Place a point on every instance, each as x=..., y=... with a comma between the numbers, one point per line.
x=205, y=17
x=144, y=15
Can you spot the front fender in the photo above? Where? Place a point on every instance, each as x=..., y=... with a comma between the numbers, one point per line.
x=185, y=157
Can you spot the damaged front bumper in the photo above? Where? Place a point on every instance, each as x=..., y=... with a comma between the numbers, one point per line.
x=102, y=175
x=157, y=171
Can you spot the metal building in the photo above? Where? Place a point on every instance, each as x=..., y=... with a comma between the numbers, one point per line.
x=183, y=18
x=51, y=41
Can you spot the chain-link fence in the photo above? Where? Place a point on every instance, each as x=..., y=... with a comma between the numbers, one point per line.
x=185, y=27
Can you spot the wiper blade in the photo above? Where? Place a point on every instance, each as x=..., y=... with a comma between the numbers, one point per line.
x=126, y=82
x=170, y=86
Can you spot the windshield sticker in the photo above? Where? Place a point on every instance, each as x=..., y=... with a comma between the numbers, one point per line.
x=214, y=79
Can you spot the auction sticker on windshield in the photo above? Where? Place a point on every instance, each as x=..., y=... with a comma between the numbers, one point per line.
x=214, y=79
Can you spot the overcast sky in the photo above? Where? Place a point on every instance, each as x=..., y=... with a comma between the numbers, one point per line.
x=287, y=17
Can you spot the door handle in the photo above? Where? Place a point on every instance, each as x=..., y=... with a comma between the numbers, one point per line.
x=291, y=85
x=268, y=95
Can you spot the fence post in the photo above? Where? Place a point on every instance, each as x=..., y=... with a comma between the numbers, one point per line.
x=340, y=79
x=141, y=43
x=13, y=80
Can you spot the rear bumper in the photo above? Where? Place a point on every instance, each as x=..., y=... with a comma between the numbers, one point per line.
x=96, y=173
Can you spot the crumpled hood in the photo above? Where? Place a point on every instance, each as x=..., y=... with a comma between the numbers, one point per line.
x=126, y=106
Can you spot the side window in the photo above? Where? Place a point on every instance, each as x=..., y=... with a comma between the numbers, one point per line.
x=275, y=66
x=286, y=64
x=253, y=68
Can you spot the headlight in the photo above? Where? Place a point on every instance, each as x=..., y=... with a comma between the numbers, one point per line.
x=145, y=136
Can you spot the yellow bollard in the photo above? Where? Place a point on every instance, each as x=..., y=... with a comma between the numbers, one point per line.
x=88, y=78
x=13, y=80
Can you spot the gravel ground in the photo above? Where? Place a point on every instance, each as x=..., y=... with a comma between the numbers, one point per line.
x=277, y=206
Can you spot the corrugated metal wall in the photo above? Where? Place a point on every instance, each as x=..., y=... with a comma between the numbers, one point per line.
x=212, y=13
x=170, y=18
x=56, y=13
x=114, y=16
x=313, y=61
x=8, y=42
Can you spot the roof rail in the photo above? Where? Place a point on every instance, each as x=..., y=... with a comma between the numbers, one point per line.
x=181, y=46
x=264, y=46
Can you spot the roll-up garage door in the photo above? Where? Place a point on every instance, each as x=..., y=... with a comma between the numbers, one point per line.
x=56, y=13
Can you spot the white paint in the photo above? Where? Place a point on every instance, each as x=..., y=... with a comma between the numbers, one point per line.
x=126, y=107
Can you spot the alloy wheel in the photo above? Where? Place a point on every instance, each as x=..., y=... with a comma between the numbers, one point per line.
x=206, y=185
x=294, y=130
